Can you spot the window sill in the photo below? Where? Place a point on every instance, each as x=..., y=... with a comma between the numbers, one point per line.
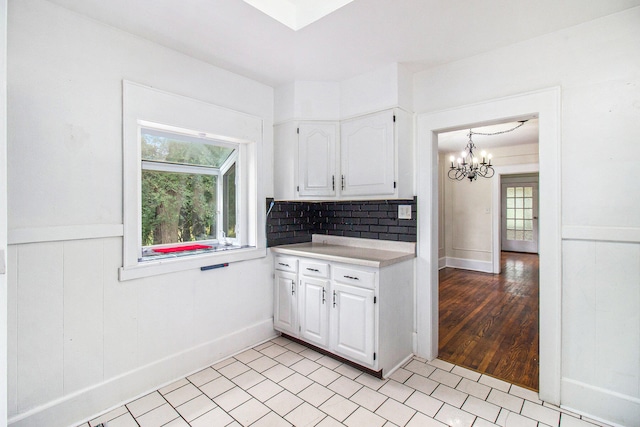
x=172, y=265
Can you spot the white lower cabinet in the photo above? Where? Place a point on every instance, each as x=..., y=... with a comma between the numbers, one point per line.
x=285, y=311
x=353, y=323
x=314, y=313
x=337, y=307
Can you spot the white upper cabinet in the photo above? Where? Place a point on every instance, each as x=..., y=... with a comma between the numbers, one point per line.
x=367, y=155
x=317, y=159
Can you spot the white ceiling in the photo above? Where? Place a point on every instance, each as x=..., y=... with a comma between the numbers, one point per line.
x=455, y=141
x=359, y=37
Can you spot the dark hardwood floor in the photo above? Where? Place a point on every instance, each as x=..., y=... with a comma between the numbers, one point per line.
x=489, y=322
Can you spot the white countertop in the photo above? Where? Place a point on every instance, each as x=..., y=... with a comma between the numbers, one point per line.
x=364, y=252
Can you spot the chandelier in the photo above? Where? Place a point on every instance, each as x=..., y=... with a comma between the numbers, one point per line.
x=469, y=165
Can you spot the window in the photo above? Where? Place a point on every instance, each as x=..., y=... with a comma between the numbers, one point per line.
x=191, y=187
x=188, y=191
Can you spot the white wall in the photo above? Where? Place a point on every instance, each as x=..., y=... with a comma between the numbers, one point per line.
x=597, y=67
x=80, y=341
x=383, y=88
x=386, y=87
x=307, y=100
x=3, y=208
x=468, y=209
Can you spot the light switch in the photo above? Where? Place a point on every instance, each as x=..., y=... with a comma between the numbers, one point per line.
x=404, y=211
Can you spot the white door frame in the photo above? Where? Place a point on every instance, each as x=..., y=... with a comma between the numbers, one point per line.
x=497, y=209
x=545, y=104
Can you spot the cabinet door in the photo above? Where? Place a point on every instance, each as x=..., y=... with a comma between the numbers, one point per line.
x=317, y=159
x=352, y=323
x=285, y=313
x=367, y=151
x=313, y=313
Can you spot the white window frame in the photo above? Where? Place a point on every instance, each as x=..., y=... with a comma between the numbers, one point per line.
x=233, y=159
x=146, y=107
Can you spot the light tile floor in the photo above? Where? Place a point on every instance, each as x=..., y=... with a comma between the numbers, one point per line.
x=281, y=383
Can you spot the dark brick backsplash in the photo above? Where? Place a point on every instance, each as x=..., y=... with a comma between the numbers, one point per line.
x=296, y=222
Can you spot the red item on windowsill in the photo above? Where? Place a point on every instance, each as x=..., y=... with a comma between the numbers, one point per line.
x=181, y=248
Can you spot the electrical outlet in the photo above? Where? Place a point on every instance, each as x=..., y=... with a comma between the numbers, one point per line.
x=404, y=211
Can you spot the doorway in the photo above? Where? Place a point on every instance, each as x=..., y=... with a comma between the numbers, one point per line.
x=544, y=104
x=489, y=322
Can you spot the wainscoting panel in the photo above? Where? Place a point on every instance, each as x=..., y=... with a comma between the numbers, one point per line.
x=601, y=328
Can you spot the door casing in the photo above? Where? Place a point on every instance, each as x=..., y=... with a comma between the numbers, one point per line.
x=544, y=104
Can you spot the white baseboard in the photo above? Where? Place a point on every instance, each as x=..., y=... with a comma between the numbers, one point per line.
x=442, y=263
x=600, y=404
x=75, y=409
x=469, y=264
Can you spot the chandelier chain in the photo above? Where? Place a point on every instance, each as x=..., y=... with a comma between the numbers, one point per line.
x=522, y=122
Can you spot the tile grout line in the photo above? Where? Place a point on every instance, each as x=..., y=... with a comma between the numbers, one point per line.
x=347, y=376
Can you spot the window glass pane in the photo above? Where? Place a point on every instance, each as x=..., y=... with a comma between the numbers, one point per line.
x=511, y=235
x=528, y=224
x=519, y=235
x=511, y=224
x=519, y=192
x=528, y=203
x=510, y=192
x=169, y=149
x=519, y=224
x=511, y=203
x=229, y=202
x=528, y=191
x=177, y=207
x=519, y=213
x=511, y=213
x=528, y=236
x=519, y=203
x=528, y=213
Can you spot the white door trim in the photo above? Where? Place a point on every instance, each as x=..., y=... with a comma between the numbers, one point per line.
x=496, y=208
x=544, y=104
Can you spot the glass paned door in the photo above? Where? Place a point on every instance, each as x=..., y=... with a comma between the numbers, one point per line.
x=520, y=217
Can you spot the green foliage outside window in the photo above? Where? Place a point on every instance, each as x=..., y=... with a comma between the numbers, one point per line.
x=177, y=207
x=182, y=206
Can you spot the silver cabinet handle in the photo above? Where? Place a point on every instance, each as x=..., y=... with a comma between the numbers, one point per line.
x=284, y=265
x=313, y=269
x=293, y=288
x=351, y=277
x=334, y=299
x=323, y=292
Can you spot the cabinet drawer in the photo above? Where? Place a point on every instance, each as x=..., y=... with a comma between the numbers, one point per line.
x=354, y=277
x=285, y=263
x=314, y=269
